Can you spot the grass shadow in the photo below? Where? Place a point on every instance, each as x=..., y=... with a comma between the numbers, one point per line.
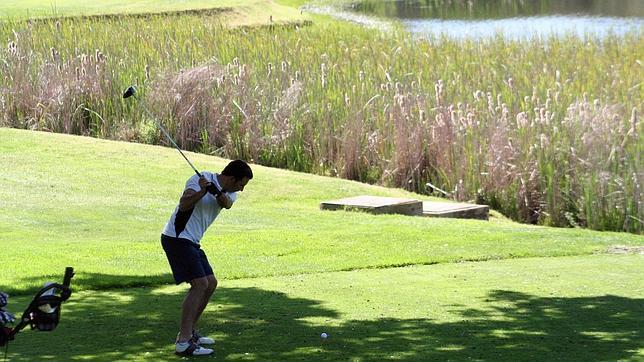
x=87, y=281
x=257, y=324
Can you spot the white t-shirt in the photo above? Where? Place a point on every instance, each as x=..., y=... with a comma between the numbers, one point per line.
x=192, y=224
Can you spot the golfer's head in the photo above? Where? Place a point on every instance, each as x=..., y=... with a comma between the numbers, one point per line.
x=240, y=173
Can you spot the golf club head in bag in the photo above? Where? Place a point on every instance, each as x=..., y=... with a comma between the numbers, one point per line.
x=43, y=313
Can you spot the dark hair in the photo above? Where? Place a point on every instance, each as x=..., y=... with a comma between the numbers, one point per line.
x=238, y=169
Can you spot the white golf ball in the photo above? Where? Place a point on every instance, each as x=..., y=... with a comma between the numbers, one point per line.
x=324, y=335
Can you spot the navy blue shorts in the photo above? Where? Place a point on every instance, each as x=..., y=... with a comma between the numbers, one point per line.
x=186, y=259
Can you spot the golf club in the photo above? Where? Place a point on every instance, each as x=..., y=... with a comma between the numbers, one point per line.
x=131, y=92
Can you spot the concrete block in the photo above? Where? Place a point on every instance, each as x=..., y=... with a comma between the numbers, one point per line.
x=376, y=205
x=456, y=210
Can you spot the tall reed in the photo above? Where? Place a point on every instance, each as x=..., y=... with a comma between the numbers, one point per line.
x=546, y=131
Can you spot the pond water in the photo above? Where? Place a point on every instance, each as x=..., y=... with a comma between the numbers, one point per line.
x=516, y=19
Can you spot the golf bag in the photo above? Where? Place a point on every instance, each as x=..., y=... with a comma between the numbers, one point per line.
x=4, y=335
x=43, y=313
x=5, y=318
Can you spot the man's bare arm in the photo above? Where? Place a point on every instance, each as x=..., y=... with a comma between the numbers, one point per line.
x=189, y=198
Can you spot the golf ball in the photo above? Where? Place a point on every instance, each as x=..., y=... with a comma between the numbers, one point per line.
x=324, y=335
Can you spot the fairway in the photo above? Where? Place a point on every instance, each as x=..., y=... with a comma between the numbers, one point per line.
x=233, y=12
x=569, y=308
x=38, y=8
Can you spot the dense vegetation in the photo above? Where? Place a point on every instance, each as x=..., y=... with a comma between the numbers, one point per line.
x=546, y=131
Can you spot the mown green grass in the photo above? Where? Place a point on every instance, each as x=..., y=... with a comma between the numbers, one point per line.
x=571, y=308
x=46, y=8
x=21, y=9
x=230, y=13
x=100, y=206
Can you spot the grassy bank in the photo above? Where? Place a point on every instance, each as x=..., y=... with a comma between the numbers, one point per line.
x=101, y=205
x=39, y=8
x=244, y=12
x=547, y=131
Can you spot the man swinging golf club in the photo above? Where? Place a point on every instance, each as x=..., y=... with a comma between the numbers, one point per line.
x=203, y=198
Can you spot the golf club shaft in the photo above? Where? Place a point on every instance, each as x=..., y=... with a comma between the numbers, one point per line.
x=171, y=140
x=130, y=92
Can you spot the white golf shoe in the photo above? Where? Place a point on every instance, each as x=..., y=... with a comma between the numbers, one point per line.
x=199, y=339
x=190, y=348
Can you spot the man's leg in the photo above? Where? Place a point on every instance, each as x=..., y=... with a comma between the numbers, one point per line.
x=192, y=306
x=212, y=285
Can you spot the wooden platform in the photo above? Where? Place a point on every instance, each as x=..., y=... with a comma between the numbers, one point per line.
x=391, y=205
x=376, y=205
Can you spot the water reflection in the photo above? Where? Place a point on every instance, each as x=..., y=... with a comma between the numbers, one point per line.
x=496, y=9
x=515, y=19
x=523, y=28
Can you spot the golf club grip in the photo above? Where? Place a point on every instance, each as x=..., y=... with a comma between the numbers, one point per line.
x=69, y=274
x=213, y=190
